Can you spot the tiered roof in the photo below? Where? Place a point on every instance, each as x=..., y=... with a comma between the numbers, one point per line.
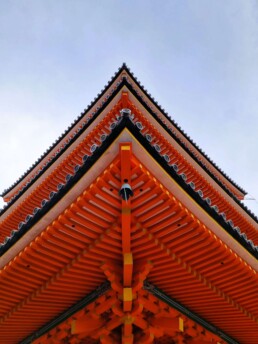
x=191, y=238
x=121, y=78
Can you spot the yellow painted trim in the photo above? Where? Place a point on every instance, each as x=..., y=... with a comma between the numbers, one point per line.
x=181, y=324
x=128, y=259
x=127, y=294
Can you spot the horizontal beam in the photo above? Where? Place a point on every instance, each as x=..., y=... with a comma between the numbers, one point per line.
x=81, y=304
x=173, y=303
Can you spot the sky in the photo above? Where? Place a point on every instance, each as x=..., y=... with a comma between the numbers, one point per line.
x=198, y=59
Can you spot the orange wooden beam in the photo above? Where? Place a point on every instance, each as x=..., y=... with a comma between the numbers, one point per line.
x=127, y=336
x=125, y=99
x=127, y=299
x=86, y=324
x=128, y=269
x=125, y=157
x=168, y=324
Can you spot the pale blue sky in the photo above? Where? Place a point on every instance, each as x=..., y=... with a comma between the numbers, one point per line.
x=198, y=58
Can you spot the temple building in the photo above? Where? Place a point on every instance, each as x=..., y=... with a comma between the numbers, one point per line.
x=125, y=231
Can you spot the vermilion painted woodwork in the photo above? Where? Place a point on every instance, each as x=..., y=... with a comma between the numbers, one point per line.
x=151, y=236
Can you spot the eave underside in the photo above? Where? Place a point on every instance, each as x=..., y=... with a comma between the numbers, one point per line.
x=88, y=243
x=20, y=212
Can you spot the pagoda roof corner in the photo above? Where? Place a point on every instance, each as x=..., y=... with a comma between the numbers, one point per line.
x=71, y=180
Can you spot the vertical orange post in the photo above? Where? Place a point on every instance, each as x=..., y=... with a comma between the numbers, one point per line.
x=125, y=158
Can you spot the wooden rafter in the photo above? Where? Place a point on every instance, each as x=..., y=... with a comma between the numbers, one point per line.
x=150, y=235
